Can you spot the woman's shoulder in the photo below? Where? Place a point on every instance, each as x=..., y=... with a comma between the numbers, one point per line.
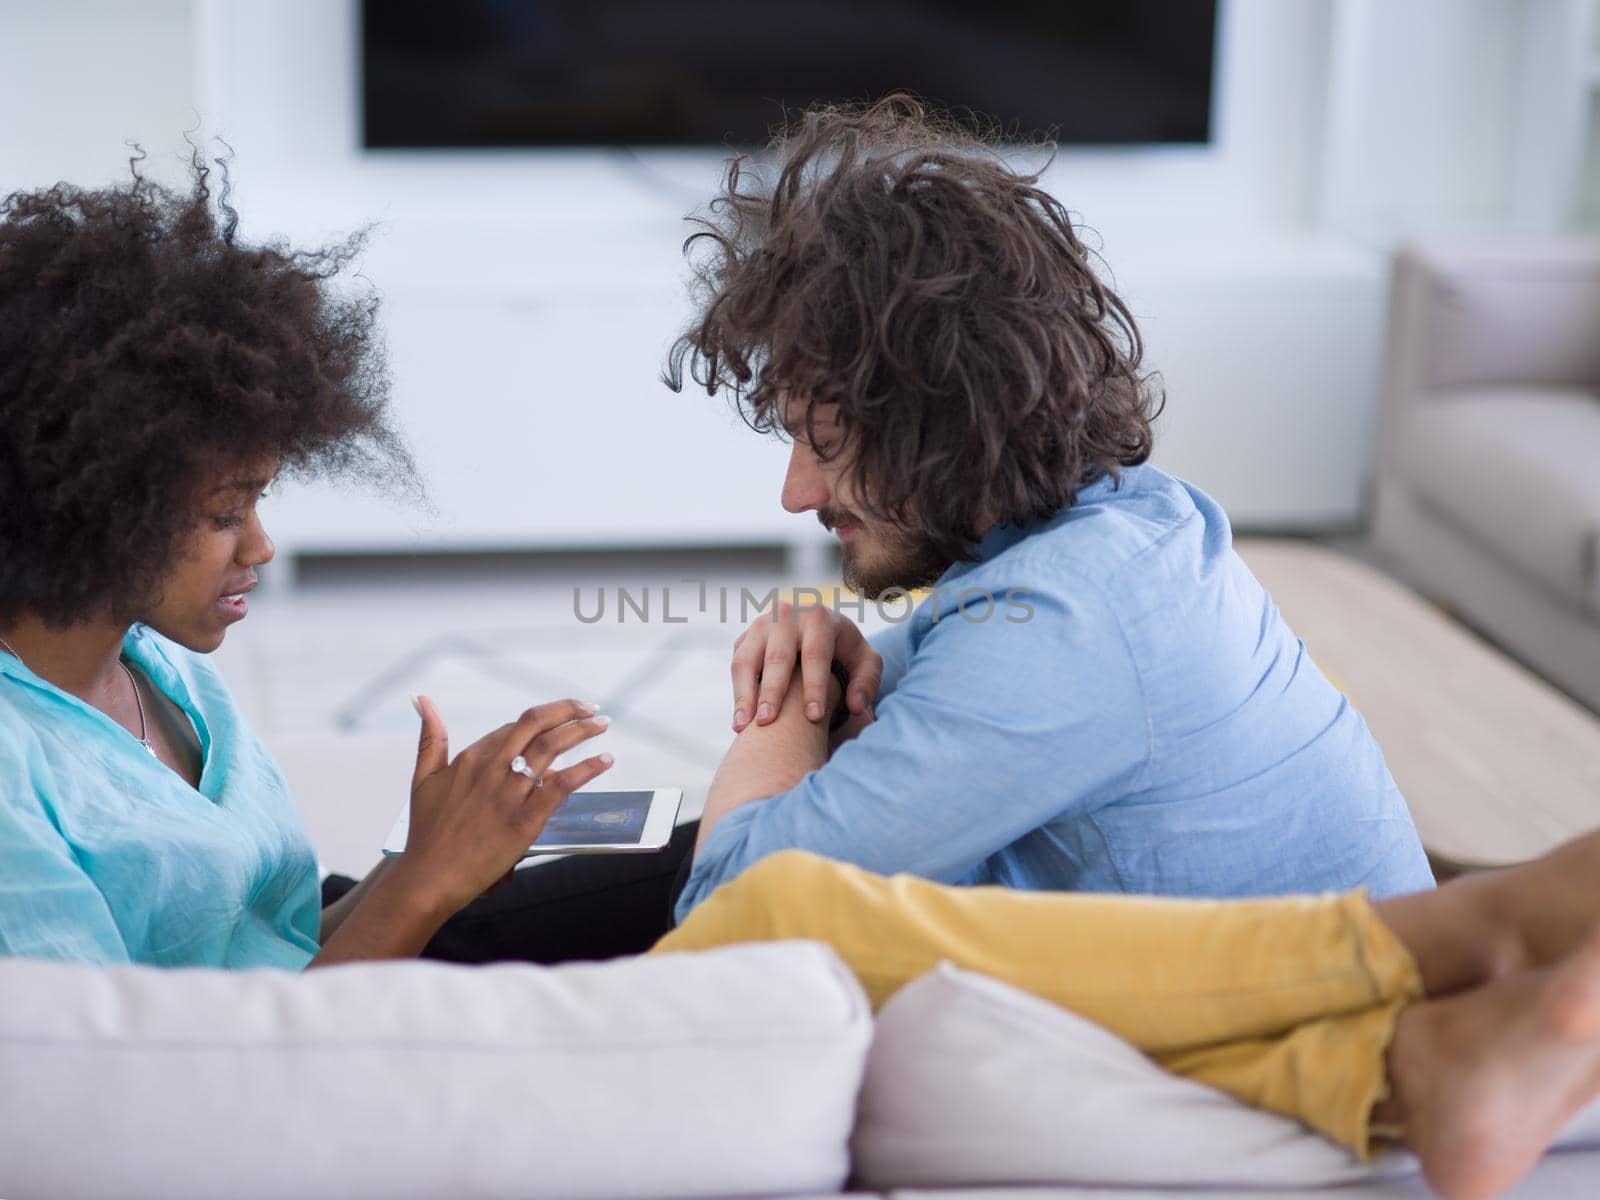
x=18, y=718
x=25, y=764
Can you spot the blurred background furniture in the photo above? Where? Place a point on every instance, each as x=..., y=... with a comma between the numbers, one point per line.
x=1488, y=486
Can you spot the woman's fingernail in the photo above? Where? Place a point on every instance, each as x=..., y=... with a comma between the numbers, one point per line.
x=416, y=705
x=586, y=706
x=607, y=759
x=601, y=720
x=813, y=710
x=764, y=713
x=739, y=718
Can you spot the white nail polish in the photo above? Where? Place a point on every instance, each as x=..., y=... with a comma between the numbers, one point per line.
x=416, y=705
x=601, y=720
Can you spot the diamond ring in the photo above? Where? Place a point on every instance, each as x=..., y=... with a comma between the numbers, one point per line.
x=521, y=767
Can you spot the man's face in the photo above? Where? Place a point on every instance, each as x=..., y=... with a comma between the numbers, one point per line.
x=875, y=556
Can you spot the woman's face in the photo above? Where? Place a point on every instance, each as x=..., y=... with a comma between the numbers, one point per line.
x=204, y=591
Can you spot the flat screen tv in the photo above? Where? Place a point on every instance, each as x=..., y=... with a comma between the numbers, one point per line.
x=509, y=73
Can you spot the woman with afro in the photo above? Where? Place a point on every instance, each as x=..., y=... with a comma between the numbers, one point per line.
x=156, y=374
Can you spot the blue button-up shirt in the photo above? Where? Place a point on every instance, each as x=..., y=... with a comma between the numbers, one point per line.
x=1106, y=700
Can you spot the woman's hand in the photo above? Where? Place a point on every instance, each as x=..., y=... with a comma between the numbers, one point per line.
x=764, y=656
x=472, y=820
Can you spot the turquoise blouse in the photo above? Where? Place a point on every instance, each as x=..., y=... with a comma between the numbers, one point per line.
x=108, y=856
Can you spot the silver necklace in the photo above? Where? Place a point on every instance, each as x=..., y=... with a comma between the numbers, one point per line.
x=144, y=729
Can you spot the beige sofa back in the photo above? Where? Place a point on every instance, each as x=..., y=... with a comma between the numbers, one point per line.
x=1495, y=315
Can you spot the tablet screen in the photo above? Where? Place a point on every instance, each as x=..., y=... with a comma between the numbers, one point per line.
x=597, y=818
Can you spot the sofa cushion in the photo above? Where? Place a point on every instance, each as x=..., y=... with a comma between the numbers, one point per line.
x=1516, y=469
x=732, y=1071
x=973, y=1082
x=1506, y=311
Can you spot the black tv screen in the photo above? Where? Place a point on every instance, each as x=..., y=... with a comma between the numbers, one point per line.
x=505, y=73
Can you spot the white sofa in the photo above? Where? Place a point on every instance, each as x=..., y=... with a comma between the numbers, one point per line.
x=750, y=1071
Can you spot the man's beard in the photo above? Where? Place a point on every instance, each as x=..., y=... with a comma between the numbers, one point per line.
x=897, y=561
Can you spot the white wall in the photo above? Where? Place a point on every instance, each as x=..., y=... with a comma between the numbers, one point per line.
x=281, y=81
x=1424, y=129
x=80, y=78
x=530, y=296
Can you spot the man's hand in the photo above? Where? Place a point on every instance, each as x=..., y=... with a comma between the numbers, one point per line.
x=764, y=657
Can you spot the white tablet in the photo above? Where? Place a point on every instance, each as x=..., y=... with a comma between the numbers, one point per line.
x=638, y=822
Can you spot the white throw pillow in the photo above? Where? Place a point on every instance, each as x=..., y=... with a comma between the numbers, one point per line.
x=972, y=1082
x=732, y=1071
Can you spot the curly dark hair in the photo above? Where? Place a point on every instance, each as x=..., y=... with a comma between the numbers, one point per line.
x=898, y=267
x=143, y=349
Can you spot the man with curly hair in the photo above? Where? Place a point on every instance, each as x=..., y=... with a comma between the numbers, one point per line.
x=1098, y=695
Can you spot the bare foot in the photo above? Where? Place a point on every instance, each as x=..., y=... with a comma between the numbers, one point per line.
x=1484, y=1080
x=1551, y=903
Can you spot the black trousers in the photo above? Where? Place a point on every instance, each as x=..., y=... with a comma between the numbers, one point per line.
x=584, y=906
